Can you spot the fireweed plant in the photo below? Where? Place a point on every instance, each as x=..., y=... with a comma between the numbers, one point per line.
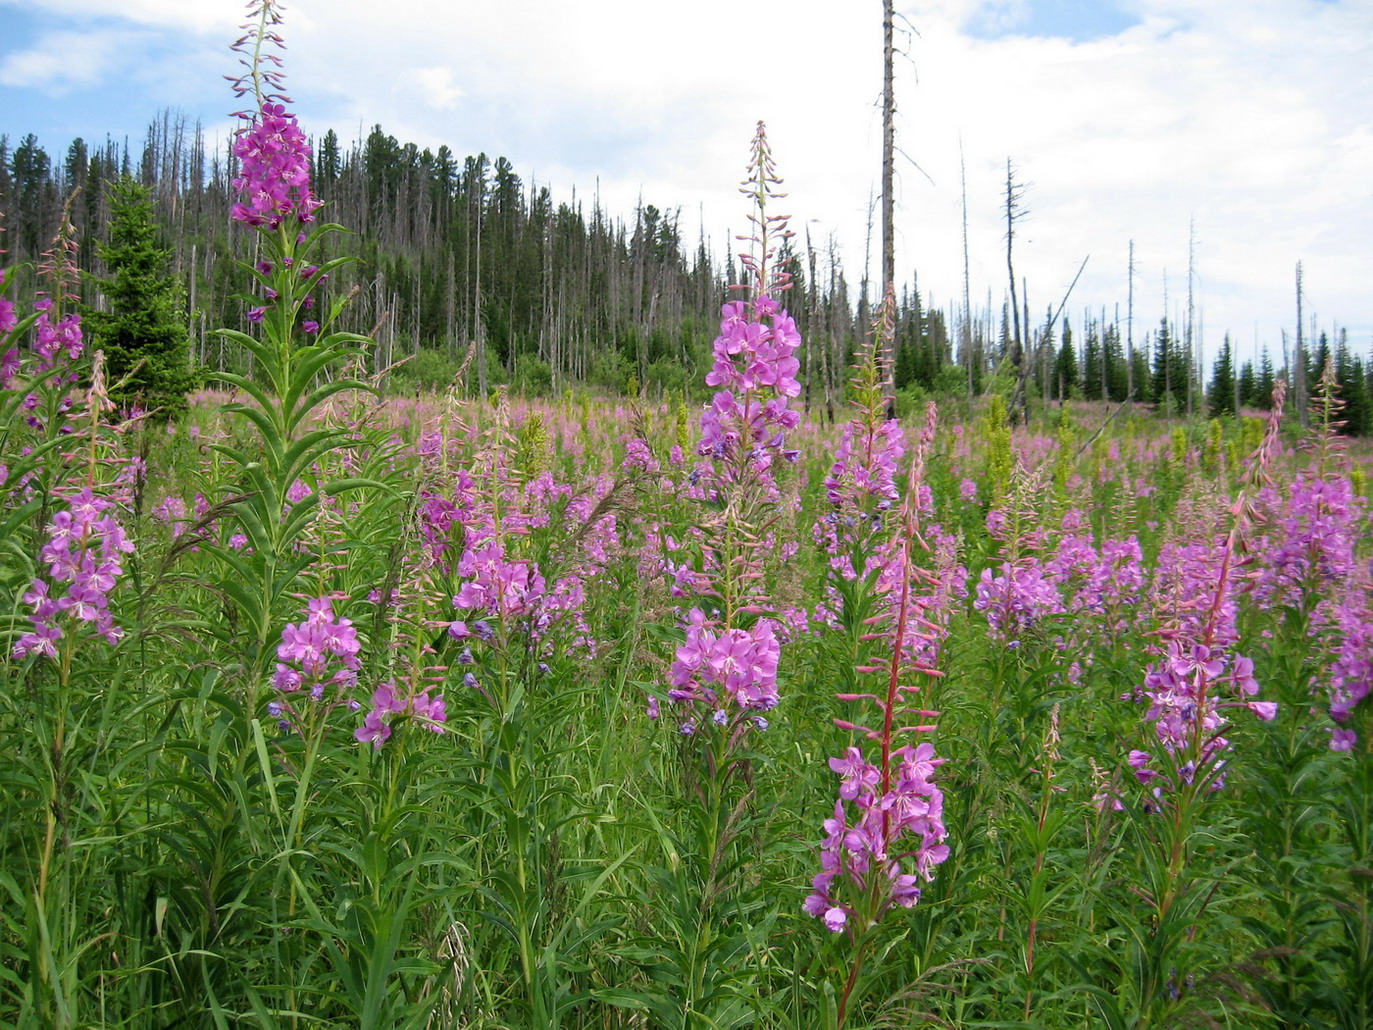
x=1191, y=690
x=290, y=507
x=724, y=673
x=295, y=355
x=1312, y=591
x=887, y=832
x=1319, y=592
x=64, y=501
x=508, y=558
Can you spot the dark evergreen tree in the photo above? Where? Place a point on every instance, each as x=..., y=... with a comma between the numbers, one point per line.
x=1263, y=383
x=1091, y=365
x=144, y=333
x=1247, y=385
x=5, y=183
x=327, y=164
x=1349, y=372
x=1316, y=359
x=1221, y=395
x=33, y=196
x=1170, y=375
x=1139, y=374
x=1113, y=354
x=1065, y=366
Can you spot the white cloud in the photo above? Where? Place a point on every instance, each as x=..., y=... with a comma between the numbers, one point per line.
x=62, y=61
x=1250, y=119
x=434, y=87
x=1202, y=111
x=193, y=15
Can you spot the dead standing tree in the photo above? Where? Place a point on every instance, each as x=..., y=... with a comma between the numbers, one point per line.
x=1015, y=193
x=967, y=333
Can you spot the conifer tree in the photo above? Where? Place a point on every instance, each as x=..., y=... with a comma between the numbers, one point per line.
x=1171, y=373
x=1117, y=374
x=1349, y=371
x=1091, y=365
x=1065, y=367
x=1247, y=385
x=144, y=334
x=1263, y=385
x=1221, y=396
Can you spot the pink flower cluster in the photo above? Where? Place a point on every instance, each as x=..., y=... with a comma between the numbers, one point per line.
x=1109, y=581
x=866, y=463
x=740, y=662
x=319, y=652
x=51, y=340
x=898, y=836
x=1182, y=690
x=83, y=550
x=1351, y=671
x=1018, y=599
x=8, y=319
x=756, y=348
x=639, y=456
x=1186, y=590
x=274, y=176
x=1312, y=537
x=727, y=424
x=440, y=512
x=753, y=352
x=388, y=704
x=499, y=587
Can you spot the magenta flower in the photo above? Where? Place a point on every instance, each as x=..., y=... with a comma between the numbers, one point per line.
x=1017, y=600
x=754, y=360
x=374, y=730
x=866, y=463
x=741, y=662
x=318, y=652
x=84, y=550
x=1351, y=668
x=858, y=776
x=387, y=704
x=274, y=177
x=51, y=342
x=498, y=587
x=1185, y=704
x=8, y=319
x=9, y=368
x=898, y=835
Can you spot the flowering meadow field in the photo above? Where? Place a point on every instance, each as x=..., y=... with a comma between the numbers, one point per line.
x=328, y=708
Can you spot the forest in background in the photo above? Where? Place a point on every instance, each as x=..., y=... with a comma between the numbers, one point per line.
x=463, y=261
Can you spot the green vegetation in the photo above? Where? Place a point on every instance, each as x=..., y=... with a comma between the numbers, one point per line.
x=143, y=335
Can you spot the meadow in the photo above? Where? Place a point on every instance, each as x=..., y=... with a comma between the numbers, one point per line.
x=329, y=707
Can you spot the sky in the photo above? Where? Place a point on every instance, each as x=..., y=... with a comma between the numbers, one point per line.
x=1237, y=131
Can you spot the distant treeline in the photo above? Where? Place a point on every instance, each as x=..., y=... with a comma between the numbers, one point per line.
x=461, y=257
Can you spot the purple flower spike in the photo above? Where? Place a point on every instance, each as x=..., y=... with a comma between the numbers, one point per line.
x=84, y=550
x=274, y=180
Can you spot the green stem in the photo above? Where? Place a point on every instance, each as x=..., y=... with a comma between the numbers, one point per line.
x=860, y=954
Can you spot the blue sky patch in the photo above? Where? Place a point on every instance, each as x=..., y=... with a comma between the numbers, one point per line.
x=1077, y=20
x=98, y=77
